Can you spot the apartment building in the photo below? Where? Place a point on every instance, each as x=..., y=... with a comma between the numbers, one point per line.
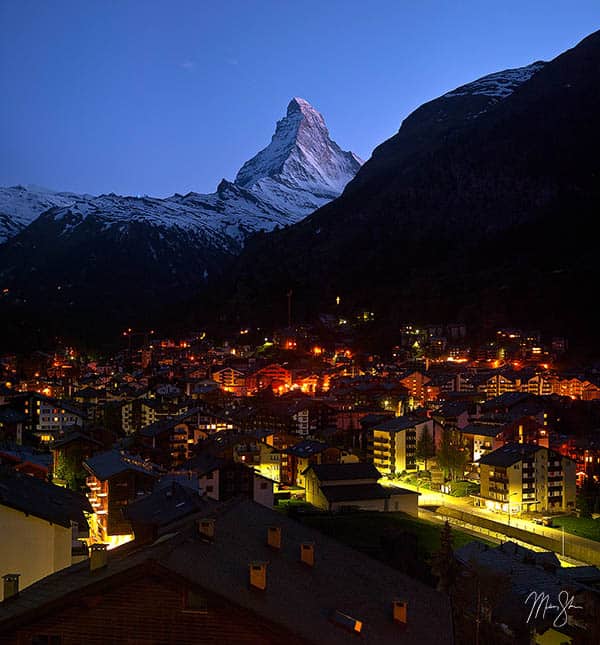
x=393, y=443
x=522, y=477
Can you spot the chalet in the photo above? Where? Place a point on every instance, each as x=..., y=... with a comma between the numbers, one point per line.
x=114, y=480
x=482, y=438
x=223, y=479
x=274, y=376
x=455, y=414
x=231, y=380
x=334, y=487
x=296, y=459
x=47, y=418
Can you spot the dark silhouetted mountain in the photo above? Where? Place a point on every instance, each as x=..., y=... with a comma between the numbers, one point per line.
x=480, y=208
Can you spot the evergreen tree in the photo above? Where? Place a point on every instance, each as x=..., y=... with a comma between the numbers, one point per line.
x=443, y=562
x=425, y=448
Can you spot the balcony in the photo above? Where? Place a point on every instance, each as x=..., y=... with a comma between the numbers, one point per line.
x=379, y=454
x=499, y=480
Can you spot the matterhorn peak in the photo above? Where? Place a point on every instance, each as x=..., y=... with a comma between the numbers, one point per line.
x=301, y=105
x=301, y=156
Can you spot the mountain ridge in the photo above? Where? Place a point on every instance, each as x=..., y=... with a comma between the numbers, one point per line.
x=269, y=200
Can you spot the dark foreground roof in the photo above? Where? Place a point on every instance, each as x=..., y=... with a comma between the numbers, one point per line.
x=41, y=499
x=298, y=597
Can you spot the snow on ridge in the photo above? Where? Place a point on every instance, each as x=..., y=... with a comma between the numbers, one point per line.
x=299, y=171
x=498, y=85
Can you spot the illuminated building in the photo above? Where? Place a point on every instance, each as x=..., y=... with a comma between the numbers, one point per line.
x=336, y=487
x=526, y=477
x=114, y=480
x=394, y=443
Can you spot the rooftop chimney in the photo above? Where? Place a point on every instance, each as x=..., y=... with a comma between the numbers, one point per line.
x=258, y=575
x=307, y=553
x=399, y=608
x=206, y=528
x=11, y=585
x=274, y=537
x=98, y=556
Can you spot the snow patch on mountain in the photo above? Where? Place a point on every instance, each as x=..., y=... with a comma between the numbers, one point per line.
x=20, y=205
x=498, y=85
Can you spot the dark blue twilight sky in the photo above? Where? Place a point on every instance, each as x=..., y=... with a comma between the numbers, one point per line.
x=141, y=96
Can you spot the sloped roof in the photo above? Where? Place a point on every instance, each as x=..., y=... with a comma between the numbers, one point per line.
x=509, y=454
x=75, y=436
x=400, y=423
x=307, y=448
x=112, y=462
x=41, y=499
x=298, y=597
x=166, y=505
x=336, y=472
x=483, y=429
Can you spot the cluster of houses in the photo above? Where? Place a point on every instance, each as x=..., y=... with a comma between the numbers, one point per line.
x=188, y=439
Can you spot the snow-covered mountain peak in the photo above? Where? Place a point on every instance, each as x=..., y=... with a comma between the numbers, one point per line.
x=301, y=156
x=299, y=171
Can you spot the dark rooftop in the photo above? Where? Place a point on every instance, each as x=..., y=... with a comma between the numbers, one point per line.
x=298, y=597
x=307, y=448
x=75, y=436
x=166, y=505
x=399, y=423
x=112, y=462
x=334, y=472
x=483, y=429
x=509, y=454
x=41, y=499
